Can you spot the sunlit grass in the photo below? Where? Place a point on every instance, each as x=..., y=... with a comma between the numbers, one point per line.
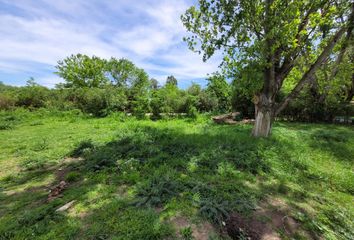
x=309, y=166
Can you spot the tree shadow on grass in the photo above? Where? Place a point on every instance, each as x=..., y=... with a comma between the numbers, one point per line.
x=331, y=138
x=334, y=141
x=211, y=172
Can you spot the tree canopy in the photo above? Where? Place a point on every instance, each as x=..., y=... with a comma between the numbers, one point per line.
x=265, y=40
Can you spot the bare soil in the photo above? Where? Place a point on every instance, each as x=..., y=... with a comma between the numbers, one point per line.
x=265, y=223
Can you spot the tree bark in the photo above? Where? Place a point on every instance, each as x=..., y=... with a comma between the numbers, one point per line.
x=264, y=113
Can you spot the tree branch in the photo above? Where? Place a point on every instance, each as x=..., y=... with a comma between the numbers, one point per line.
x=308, y=76
x=289, y=61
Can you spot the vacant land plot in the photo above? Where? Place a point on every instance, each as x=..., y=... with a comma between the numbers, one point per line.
x=69, y=176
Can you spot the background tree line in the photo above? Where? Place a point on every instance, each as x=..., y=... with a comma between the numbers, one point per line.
x=98, y=86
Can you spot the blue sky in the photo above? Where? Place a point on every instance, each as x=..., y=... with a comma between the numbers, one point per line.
x=35, y=34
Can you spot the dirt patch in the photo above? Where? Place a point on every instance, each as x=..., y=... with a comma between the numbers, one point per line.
x=265, y=223
x=200, y=231
x=60, y=173
x=65, y=167
x=57, y=190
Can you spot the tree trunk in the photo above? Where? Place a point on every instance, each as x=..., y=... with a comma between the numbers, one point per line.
x=263, y=116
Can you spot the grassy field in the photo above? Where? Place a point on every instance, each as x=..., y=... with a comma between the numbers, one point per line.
x=172, y=179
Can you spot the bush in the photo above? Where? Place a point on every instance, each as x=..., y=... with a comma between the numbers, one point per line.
x=192, y=112
x=97, y=101
x=6, y=126
x=157, y=191
x=33, y=96
x=92, y=101
x=140, y=107
x=216, y=211
x=82, y=147
x=7, y=102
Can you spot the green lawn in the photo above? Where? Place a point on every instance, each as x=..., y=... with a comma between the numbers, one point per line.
x=170, y=179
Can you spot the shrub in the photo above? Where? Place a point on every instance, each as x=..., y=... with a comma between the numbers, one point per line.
x=216, y=211
x=7, y=102
x=140, y=107
x=82, y=147
x=33, y=96
x=156, y=191
x=92, y=101
x=192, y=112
x=6, y=126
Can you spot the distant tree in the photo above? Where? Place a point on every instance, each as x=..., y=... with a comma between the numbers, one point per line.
x=154, y=84
x=192, y=102
x=194, y=89
x=122, y=72
x=167, y=99
x=207, y=102
x=82, y=71
x=138, y=93
x=171, y=80
x=272, y=36
x=219, y=87
x=31, y=82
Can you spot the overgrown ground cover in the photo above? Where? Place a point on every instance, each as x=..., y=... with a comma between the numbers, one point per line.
x=168, y=179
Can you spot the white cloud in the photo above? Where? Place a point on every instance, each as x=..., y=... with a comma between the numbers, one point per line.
x=49, y=81
x=149, y=33
x=46, y=40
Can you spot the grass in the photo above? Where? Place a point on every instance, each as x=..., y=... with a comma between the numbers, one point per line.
x=130, y=178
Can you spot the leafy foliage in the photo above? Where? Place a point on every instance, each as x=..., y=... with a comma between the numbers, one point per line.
x=265, y=42
x=158, y=190
x=82, y=71
x=215, y=211
x=82, y=147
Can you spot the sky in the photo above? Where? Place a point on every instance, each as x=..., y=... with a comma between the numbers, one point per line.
x=36, y=34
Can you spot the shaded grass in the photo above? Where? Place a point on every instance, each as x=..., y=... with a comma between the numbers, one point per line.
x=131, y=168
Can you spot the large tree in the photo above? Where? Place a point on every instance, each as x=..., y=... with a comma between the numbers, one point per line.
x=266, y=39
x=82, y=71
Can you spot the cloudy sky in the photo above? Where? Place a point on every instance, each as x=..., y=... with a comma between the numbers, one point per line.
x=35, y=34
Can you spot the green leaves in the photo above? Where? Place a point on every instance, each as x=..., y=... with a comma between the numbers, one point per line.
x=82, y=71
x=218, y=86
x=93, y=72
